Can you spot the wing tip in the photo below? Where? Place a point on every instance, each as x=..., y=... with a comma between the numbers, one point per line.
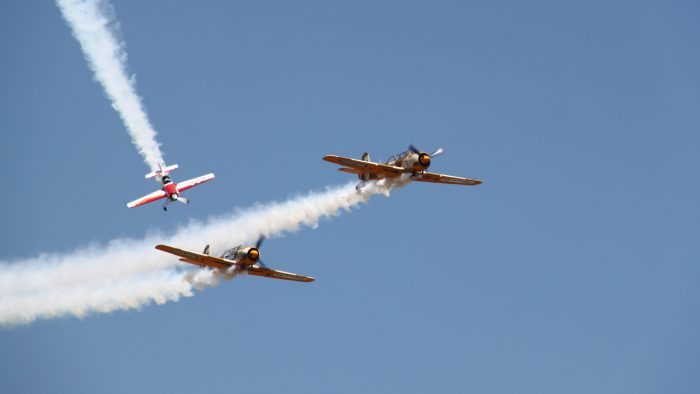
x=330, y=157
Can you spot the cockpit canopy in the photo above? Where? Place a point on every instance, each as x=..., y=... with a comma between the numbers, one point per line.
x=397, y=157
x=231, y=254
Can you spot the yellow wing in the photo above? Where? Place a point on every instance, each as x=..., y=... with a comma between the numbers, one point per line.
x=197, y=258
x=364, y=167
x=270, y=273
x=440, y=178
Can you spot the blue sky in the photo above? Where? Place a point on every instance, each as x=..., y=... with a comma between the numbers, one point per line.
x=573, y=268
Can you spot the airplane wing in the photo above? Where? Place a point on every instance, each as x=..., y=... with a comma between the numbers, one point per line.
x=156, y=195
x=196, y=258
x=440, y=178
x=270, y=273
x=217, y=262
x=190, y=183
x=362, y=167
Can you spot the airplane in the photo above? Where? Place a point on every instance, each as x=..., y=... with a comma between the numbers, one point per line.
x=170, y=189
x=413, y=161
x=243, y=258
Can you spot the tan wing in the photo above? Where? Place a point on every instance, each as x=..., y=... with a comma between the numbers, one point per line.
x=217, y=262
x=270, y=273
x=197, y=258
x=440, y=178
x=362, y=167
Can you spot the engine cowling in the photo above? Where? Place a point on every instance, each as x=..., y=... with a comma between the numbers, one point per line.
x=424, y=160
x=253, y=254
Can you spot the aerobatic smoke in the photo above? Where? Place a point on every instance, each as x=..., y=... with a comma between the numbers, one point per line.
x=130, y=273
x=94, y=27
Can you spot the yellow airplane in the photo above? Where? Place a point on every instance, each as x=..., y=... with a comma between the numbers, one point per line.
x=243, y=258
x=412, y=161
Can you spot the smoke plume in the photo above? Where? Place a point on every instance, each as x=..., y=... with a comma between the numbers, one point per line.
x=94, y=27
x=130, y=273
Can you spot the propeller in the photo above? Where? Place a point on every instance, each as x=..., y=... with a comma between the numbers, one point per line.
x=259, y=243
x=438, y=152
x=413, y=149
x=260, y=263
x=424, y=158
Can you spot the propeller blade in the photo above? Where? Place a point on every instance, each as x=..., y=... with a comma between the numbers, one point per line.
x=260, y=241
x=413, y=149
x=260, y=263
x=438, y=152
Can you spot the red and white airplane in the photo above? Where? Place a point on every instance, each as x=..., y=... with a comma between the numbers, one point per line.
x=170, y=189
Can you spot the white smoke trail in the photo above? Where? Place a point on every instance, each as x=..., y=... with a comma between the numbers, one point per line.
x=95, y=29
x=129, y=273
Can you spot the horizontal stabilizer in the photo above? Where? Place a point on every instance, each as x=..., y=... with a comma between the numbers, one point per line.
x=162, y=171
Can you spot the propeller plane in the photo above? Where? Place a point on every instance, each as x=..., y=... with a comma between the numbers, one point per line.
x=243, y=258
x=413, y=161
x=170, y=189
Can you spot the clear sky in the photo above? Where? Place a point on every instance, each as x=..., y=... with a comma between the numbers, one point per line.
x=573, y=269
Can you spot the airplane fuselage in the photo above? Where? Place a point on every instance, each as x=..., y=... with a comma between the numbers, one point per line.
x=244, y=255
x=169, y=187
x=411, y=161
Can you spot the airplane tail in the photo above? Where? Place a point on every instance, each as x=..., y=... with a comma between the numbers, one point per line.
x=161, y=171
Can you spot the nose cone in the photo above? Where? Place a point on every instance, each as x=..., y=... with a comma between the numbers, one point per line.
x=254, y=254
